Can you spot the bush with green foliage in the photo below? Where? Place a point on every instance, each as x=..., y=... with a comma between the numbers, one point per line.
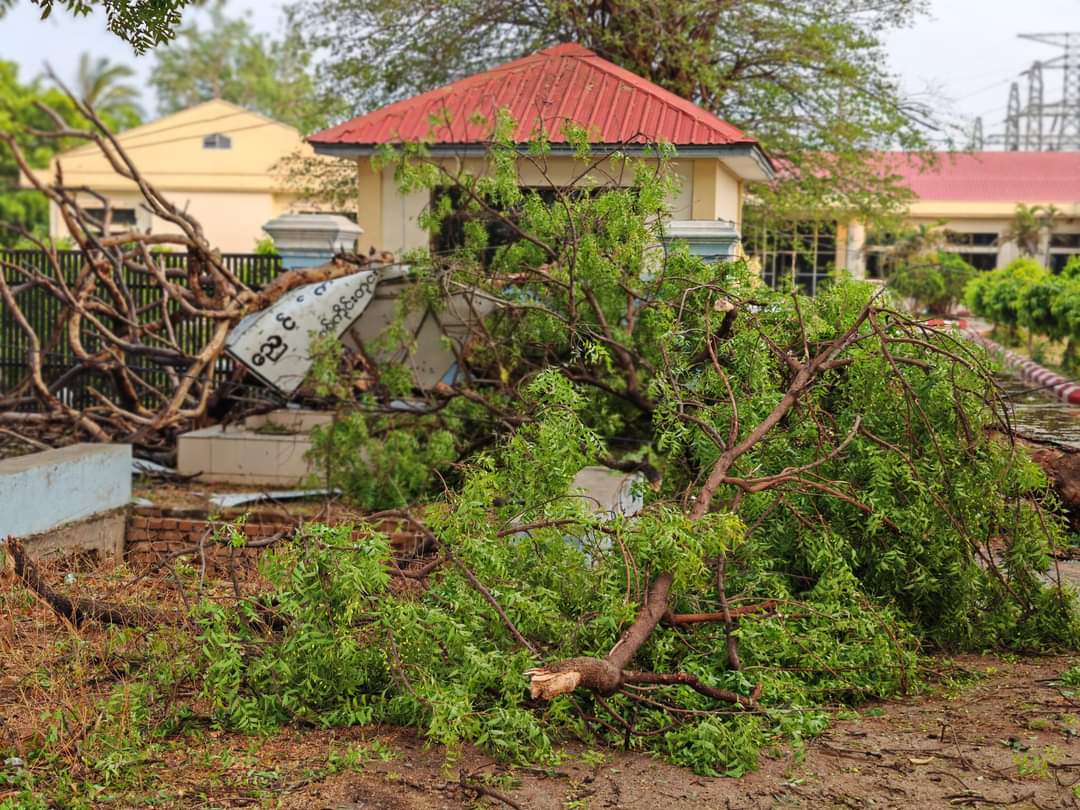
x=861, y=595
x=387, y=464
x=1026, y=295
x=920, y=282
x=379, y=457
x=354, y=651
x=997, y=295
x=266, y=247
x=935, y=283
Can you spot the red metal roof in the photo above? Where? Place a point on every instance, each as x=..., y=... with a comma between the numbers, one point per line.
x=992, y=176
x=562, y=83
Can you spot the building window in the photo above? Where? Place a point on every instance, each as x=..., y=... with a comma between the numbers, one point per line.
x=971, y=239
x=803, y=252
x=980, y=261
x=451, y=233
x=123, y=219
x=879, y=254
x=1063, y=246
x=216, y=141
x=977, y=248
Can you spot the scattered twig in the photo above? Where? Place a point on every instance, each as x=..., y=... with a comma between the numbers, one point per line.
x=76, y=611
x=480, y=789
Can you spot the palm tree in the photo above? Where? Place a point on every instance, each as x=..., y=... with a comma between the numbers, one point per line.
x=101, y=84
x=1027, y=227
x=912, y=244
x=919, y=241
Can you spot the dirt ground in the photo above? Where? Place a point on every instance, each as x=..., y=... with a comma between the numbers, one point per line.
x=1008, y=738
x=989, y=732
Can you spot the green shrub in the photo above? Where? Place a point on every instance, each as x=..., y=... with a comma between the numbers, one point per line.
x=378, y=465
x=266, y=247
x=1028, y=296
x=863, y=593
x=935, y=283
x=354, y=651
x=998, y=294
x=924, y=284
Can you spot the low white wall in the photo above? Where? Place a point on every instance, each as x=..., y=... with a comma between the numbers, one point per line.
x=42, y=491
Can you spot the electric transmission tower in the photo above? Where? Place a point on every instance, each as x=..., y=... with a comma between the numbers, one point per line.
x=1033, y=132
x=1040, y=125
x=1012, y=119
x=978, y=141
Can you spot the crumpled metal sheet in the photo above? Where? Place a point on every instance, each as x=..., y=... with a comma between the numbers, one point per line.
x=229, y=500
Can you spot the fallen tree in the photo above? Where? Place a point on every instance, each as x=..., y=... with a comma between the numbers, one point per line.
x=835, y=491
x=114, y=334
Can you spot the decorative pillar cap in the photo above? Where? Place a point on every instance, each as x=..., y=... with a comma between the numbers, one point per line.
x=708, y=238
x=313, y=233
x=698, y=229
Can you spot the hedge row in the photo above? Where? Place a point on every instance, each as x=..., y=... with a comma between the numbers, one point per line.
x=1025, y=294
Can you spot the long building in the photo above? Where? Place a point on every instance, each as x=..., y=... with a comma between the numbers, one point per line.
x=971, y=197
x=975, y=196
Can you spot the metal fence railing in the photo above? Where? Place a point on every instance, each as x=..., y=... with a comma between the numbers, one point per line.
x=67, y=379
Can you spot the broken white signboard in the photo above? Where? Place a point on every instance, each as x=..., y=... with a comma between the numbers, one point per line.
x=275, y=344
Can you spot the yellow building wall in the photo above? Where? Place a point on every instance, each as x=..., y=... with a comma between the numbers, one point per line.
x=369, y=205
x=959, y=209
x=965, y=217
x=231, y=192
x=717, y=192
x=169, y=152
x=396, y=215
x=231, y=221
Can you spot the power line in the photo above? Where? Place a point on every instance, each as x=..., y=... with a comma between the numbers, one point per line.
x=982, y=90
x=1032, y=122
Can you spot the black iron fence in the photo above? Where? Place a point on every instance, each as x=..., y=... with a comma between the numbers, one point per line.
x=67, y=379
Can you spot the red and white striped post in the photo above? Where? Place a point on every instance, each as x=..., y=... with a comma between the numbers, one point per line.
x=1027, y=369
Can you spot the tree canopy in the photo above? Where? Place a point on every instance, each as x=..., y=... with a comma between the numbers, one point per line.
x=227, y=59
x=829, y=455
x=24, y=210
x=141, y=23
x=808, y=78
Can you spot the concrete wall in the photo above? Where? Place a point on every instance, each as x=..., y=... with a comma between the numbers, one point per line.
x=102, y=535
x=43, y=491
x=249, y=455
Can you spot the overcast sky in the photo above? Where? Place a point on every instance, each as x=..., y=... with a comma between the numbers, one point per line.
x=963, y=55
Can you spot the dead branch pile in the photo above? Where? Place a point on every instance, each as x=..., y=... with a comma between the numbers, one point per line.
x=112, y=332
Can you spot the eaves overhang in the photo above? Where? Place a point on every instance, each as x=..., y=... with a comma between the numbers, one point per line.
x=747, y=160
